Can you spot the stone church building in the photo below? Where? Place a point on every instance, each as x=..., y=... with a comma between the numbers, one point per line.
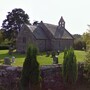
x=47, y=37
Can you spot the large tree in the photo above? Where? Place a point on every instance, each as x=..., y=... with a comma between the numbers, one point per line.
x=14, y=20
x=79, y=43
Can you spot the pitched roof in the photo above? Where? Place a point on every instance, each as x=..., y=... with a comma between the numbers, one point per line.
x=37, y=32
x=60, y=33
x=54, y=30
x=51, y=28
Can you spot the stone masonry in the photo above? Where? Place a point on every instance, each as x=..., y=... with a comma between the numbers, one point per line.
x=51, y=77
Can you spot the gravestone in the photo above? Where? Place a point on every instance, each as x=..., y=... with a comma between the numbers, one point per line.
x=13, y=59
x=47, y=54
x=55, y=60
x=7, y=61
x=53, y=54
x=58, y=52
x=10, y=50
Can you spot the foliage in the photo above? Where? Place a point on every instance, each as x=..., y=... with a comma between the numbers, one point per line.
x=4, y=47
x=86, y=38
x=1, y=37
x=35, y=22
x=30, y=72
x=79, y=45
x=14, y=20
x=3, y=43
x=69, y=67
x=6, y=42
x=77, y=36
x=87, y=65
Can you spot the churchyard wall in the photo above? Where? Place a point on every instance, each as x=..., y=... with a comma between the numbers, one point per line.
x=51, y=77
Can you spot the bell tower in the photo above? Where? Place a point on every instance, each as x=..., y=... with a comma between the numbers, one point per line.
x=61, y=23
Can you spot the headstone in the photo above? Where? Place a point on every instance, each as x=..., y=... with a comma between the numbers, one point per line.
x=55, y=60
x=7, y=61
x=58, y=52
x=10, y=50
x=53, y=54
x=13, y=59
x=47, y=54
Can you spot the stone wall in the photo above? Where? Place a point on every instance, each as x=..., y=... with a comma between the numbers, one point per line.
x=51, y=77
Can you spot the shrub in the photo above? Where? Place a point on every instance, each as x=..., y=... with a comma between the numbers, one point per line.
x=79, y=45
x=69, y=67
x=30, y=71
x=87, y=65
x=4, y=47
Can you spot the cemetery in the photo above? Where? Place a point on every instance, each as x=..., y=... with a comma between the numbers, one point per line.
x=41, y=56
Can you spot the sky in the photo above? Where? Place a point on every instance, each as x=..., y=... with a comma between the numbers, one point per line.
x=76, y=13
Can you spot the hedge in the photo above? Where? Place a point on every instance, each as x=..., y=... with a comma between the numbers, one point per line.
x=4, y=47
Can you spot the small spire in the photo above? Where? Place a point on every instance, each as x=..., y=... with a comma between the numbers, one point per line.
x=61, y=22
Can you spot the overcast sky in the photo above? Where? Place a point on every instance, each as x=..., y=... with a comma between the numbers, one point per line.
x=76, y=13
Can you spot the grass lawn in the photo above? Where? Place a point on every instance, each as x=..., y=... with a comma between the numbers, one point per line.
x=43, y=60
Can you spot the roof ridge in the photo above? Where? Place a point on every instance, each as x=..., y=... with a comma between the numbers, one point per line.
x=51, y=24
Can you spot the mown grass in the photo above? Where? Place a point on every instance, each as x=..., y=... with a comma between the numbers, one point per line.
x=42, y=59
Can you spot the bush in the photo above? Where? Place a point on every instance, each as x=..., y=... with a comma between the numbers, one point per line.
x=87, y=65
x=69, y=67
x=4, y=47
x=79, y=45
x=30, y=71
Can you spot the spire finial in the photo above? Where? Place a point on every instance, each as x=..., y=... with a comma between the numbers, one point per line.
x=61, y=22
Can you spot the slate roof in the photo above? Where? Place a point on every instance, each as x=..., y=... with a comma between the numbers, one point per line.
x=56, y=31
x=51, y=28
x=60, y=33
x=37, y=32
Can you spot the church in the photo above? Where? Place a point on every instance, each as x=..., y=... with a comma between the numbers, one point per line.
x=47, y=37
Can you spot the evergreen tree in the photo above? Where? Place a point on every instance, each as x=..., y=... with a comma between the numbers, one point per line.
x=30, y=71
x=69, y=67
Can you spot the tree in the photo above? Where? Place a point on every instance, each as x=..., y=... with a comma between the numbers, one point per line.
x=77, y=36
x=87, y=65
x=30, y=71
x=14, y=20
x=79, y=43
x=1, y=37
x=86, y=38
x=69, y=67
x=35, y=22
